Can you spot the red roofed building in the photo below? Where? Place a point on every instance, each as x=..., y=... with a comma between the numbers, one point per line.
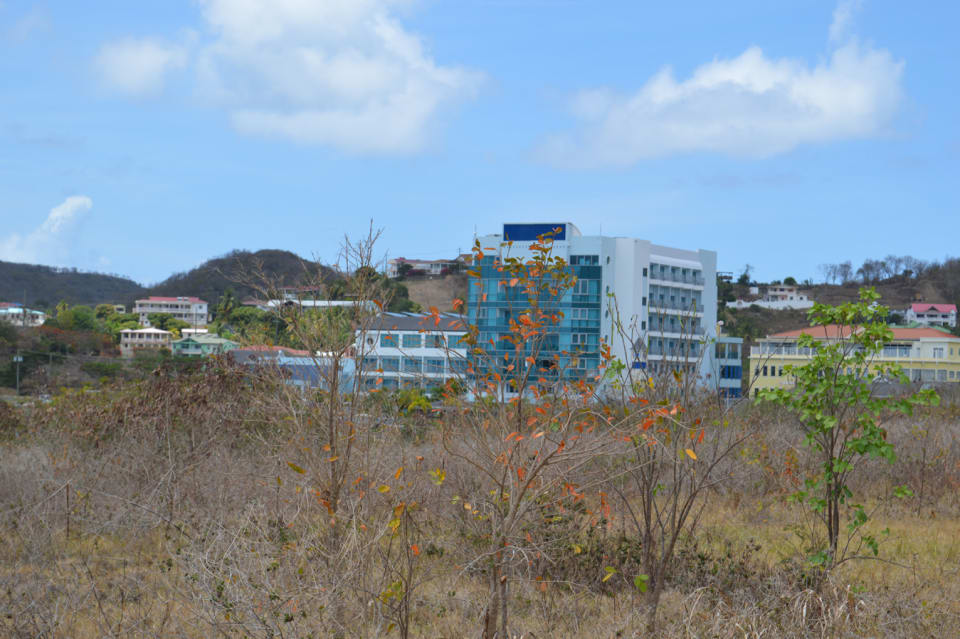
x=932, y=314
x=192, y=310
x=926, y=354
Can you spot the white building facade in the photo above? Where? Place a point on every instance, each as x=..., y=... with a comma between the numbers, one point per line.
x=665, y=298
x=412, y=349
x=192, y=310
x=944, y=315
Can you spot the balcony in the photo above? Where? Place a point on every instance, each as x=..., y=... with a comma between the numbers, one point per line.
x=696, y=280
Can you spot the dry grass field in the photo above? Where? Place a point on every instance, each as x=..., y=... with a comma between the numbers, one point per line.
x=196, y=507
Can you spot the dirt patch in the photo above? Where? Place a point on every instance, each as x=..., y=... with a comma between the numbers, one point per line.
x=439, y=292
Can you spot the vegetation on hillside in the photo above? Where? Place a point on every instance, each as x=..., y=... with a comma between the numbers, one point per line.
x=44, y=286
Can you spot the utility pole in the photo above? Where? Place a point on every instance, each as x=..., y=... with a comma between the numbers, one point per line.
x=17, y=359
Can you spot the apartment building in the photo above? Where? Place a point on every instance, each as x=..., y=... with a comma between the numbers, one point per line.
x=192, y=310
x=932, y=314
x=132, y=340
x=926, y=355
x=665, y=299
x=412, y=349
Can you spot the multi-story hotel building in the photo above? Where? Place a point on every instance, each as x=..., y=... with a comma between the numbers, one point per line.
x=665, y=299
x=192, y=310
x=926, y=355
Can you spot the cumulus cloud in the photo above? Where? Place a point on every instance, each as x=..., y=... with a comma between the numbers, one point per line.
x=50, y=242
x=344, y=73
x=751, y=106
x=843, y=19
x=138, y=66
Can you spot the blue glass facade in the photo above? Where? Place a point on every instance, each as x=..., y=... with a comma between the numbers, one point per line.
x=570, y=348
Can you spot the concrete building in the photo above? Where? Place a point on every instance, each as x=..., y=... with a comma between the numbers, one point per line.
x=18, y=315
x=132, y=340
x=192, y=310
x=925, y=354
x=932, y=314
x=412, y=349
x=728, y=365
x=665, y=298
x=777, y=297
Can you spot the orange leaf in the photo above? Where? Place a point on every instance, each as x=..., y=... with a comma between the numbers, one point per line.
x=514, y=281
x=397, y=474
x=415, y=549
x=700, y=438
x=691, y=454
x=540, y=434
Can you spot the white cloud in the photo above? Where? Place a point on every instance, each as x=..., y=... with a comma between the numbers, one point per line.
x=750, y=105
x=138, y=66
x=48, y=243
x=843, y=18
x=344, y=73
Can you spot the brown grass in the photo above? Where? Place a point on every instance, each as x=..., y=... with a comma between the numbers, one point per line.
x=169, y=509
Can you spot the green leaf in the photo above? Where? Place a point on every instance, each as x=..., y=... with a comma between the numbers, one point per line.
x=296, y=468
x=640, y=581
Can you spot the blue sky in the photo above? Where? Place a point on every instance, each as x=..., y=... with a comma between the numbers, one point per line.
x=142, y=138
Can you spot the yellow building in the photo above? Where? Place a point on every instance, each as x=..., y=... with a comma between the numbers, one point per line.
x=924, y=354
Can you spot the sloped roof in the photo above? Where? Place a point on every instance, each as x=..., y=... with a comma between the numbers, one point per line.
x=192, y=300
x=419, y=322
x=923, y=307
x=834, y=331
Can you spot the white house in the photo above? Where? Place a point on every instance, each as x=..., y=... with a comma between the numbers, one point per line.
x=21, y=316
x=777, y=297
x=132, y=340
x=932, y=314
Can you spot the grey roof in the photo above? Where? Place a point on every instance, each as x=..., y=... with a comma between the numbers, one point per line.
x=449, y=322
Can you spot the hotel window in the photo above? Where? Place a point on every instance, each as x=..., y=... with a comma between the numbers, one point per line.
x=412, y=341
x=764, y=371
x=434, y=341
x=389, y=340
x=938, y=352
x=412, y=365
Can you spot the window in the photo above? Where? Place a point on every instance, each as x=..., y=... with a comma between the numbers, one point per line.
x=764, y=371
x=644, y=271
x=412, y=365
x=389, y=340
x=643, y=301
x=938, y=352
x=431, y=365
x=434, y=341
x=586, y=260
x=390, y=364
x=412, y=341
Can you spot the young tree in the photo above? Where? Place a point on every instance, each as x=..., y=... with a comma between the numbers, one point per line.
x=680, y=439
x=842, y=420
x=524, y=451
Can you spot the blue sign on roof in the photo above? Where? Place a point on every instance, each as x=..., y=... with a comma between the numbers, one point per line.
x=529, y=232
